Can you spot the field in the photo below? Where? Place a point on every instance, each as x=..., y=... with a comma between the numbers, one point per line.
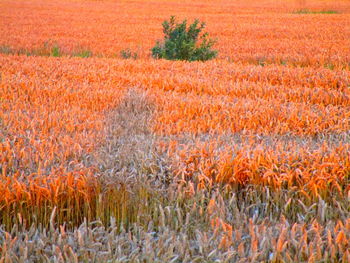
x=109, y=158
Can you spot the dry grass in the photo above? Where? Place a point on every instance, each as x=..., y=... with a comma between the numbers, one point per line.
x=241, y=159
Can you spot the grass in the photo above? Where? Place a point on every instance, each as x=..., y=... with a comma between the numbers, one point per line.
x=56, y=51
x=82, y=53
x=308, y=11
x=47, y=49
x=4, y=49
x=127, y=54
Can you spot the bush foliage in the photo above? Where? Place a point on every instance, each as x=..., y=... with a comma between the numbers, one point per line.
x=181, y=42
x=127, y=54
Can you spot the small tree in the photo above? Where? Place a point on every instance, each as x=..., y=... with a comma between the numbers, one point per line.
x=180, y=42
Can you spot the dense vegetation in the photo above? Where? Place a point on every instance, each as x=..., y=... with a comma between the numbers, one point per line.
x=109, y=155
x=180, y=42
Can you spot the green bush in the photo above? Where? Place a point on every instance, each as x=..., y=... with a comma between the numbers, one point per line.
x=127, y=53
x=55, y=51
x=180, y=42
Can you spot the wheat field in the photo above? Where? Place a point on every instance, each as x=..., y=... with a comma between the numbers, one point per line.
x=108, y=158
